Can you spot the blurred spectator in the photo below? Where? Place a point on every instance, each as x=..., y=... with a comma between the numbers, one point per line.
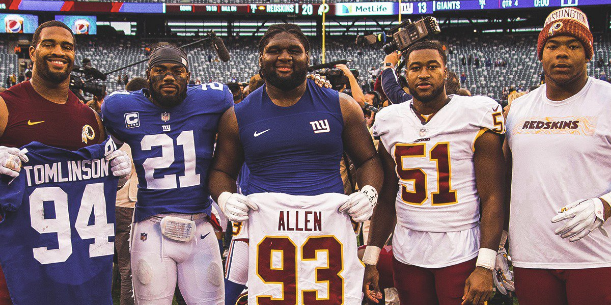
x=136, y=84
x=463, y=78
x=125, y=79
x=452, y=83
x=255, y=82
x=603, y=76
x=236, y=90
x=96, y=104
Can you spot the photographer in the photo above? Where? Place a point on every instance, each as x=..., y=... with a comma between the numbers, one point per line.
x=390, y=84
x=357, y=92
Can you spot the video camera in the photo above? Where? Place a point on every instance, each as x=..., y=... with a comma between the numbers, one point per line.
x=403, y=35
x=335, y=76
x=87, y=78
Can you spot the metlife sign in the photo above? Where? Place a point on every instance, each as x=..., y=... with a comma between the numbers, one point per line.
x=365, y=9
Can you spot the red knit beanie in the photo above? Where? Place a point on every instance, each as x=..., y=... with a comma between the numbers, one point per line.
x=567, y=21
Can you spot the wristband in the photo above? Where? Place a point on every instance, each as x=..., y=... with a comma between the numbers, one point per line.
x=486, y=258
x=371, y=255
x=503, y=239
x=223, y=200
x=371, y=193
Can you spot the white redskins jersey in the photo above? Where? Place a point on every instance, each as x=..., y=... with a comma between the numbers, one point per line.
x=561, y=153
x=434, y=161
x=302, y=250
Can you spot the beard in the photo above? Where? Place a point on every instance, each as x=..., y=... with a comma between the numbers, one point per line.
x=287, y=83
x=45, y=72
x=428, y=97
x=169, y=101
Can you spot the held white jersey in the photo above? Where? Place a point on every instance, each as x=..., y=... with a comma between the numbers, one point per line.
x=561, y=153
x=302, y=250
x=434, y=161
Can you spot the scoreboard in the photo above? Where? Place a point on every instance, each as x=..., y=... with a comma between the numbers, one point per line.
x=280, y=8
x=295, y=9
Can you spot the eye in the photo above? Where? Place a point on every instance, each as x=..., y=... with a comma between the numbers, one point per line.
x=414, y=68
x=551, y=46
x=68, y=47
x=573, y=47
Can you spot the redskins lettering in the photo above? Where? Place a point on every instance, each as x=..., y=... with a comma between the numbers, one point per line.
x=550, y=125
x=300, y=221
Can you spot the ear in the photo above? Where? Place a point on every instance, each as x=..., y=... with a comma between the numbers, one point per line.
x=31, y=50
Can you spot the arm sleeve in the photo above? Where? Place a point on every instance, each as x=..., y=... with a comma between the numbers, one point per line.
x=392, y=89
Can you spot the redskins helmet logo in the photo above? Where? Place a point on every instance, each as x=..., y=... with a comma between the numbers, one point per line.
x=555, y=27
x=87, y=134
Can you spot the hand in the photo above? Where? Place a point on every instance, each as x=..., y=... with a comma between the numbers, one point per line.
x=371, y=289
x=10, y=161
x=344, y=69
x=360, y=204
x=584, y=216
x=392, y=58
x=503, y=277
x=478, y=287
x=236, y=206
x=320, y=80
x=120, y=163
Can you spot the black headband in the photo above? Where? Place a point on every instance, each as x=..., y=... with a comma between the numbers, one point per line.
x=167, y=54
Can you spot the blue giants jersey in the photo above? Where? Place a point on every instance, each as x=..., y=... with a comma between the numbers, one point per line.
x=293, y=150
x=57, y=236
x=171, y=147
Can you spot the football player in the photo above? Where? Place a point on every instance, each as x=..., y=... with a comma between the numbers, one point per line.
x=558, y=147
x=171, y=129
x=291, y=134
x=443, y=160
x=45, y=110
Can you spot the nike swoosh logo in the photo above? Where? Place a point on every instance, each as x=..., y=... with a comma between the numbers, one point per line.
x=497, y=107
x=260, y=133
x=34, y=123
x=204, y=236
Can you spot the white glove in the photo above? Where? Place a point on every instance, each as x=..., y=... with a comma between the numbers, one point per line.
x=503, y=277
x=120, y=163
x=236, y=206
x=360, y=204
x=584, y=216
x=10, y=160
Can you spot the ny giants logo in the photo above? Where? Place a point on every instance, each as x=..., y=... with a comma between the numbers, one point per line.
x=320, y=126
